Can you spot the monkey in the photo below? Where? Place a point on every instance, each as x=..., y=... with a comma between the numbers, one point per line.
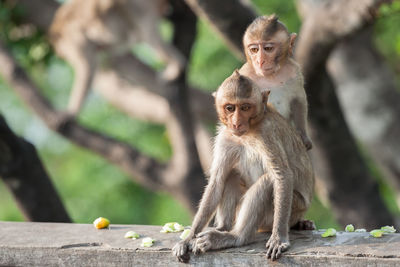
x=261, y=177
x=268, y=47
x=83, y=30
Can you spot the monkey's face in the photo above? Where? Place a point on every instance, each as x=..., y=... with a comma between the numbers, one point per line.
x=239, y=103
x=266, y=56
x=238, y=116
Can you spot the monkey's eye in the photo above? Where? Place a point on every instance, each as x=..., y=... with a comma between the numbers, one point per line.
x=245, y=107
x=230, y=108
x=269, y=48
x=253, y=50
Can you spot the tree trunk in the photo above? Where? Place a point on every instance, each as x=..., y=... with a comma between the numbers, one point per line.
x=352, y=192
x=370, y=100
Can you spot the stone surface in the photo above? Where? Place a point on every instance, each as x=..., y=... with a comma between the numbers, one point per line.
x=58, y=244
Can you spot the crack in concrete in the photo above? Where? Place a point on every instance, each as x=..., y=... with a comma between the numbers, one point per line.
x=79, y=245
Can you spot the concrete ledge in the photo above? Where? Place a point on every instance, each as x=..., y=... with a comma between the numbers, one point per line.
x=58, y=244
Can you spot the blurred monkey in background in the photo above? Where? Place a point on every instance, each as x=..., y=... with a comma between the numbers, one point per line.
x=81, y=29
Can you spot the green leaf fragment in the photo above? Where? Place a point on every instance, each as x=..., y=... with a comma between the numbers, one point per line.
x=185, y=234
x=376, y=233
x=329, y=232
x=147, y=242
x=178, y=227
x=349, y=228
x=362, y=230
x=132, y=234
x=388, y=229
x=172, y=227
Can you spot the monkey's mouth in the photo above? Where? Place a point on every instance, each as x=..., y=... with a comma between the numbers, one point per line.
x=238, y=132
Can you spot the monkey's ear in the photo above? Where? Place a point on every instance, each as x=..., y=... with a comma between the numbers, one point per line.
x=236, y=73
x=265, y=96
x=214, y=94
x=291, y=43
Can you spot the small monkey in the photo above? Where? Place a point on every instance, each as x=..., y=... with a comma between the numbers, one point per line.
x=269, y=48
x=81, y=29
x=272, y=183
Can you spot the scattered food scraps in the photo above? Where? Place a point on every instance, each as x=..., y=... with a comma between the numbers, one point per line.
x=349, y=228
x=147, y=242
x=329, y=232
x=185, y=234
x=362, y=230
x=131, y=234
x=388, y=229
x=376, y=233
x=172, y=227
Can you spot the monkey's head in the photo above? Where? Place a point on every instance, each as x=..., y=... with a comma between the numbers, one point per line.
x=240, y=103
x=267, y=45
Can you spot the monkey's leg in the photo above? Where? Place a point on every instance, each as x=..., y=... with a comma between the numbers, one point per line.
x=82, y=60
x=226, y=210
x=299, y=208
x=257, y=204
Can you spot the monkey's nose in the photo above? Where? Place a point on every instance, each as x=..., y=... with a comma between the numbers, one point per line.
x=237, y=126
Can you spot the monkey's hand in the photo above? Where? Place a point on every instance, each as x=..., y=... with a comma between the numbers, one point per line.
x=181, y=250
x=212, y=239
x=276, y=245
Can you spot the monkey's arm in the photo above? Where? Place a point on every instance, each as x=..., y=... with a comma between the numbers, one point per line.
x=221, y=166
x=283, y=196
x=82, y=59
x=298, y=114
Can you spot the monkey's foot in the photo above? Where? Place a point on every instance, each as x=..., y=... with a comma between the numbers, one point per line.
x=304, y=225
x=181, y=251
x=275, y=247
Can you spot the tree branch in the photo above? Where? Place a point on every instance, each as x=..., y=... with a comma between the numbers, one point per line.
x=145, y=169
x=229, y=18
x=24, y=175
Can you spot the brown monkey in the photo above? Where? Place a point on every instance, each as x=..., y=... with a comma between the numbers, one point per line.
x=269, y=47
x=274, y=183
x=81, y=29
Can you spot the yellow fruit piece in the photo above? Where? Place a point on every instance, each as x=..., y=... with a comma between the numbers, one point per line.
x=101, y=223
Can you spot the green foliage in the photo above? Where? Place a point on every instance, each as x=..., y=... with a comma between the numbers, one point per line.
x=387, y=34
x=211, y=61
x=286, y=10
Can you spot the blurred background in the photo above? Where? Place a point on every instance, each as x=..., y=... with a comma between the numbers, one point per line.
x=90, y=186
